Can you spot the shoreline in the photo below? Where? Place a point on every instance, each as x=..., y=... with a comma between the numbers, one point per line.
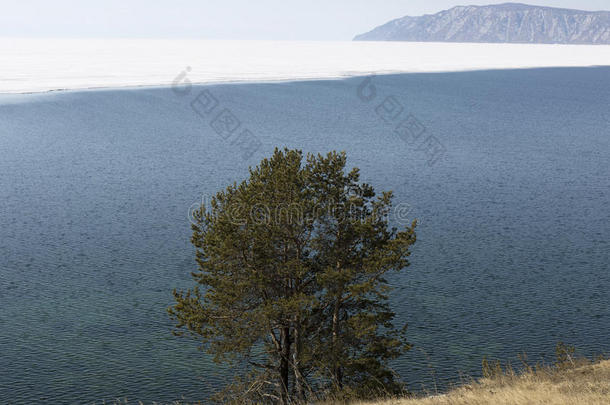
x=162, y=86
x=584, y=382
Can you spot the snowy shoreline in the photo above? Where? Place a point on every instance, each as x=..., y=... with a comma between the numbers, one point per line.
x=43, y=65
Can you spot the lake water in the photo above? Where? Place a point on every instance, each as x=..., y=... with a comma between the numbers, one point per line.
x=95, y=187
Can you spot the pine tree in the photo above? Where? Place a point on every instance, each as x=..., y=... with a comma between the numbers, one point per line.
x=290, y=280
x=356, y=249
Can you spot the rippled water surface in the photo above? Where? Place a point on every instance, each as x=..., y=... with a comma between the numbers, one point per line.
x=95, y=186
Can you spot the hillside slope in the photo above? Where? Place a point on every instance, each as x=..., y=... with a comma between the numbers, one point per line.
x=505, y=23
x=589, y=385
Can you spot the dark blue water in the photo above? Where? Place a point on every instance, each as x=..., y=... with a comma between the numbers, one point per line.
x=95, y=186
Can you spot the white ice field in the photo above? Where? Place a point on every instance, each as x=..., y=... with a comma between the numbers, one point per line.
x=38, y=65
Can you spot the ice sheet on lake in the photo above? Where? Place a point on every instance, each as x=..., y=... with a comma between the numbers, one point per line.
x=37, y=65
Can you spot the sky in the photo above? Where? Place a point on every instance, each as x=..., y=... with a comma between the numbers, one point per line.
x=223, y=19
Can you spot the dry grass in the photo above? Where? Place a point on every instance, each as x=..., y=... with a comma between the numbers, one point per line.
x=585, y=385
x=570, y=381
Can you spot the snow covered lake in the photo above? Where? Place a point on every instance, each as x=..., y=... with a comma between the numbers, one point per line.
x=38, y=65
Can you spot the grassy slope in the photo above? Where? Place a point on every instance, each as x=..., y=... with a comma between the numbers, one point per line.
x=589, y=384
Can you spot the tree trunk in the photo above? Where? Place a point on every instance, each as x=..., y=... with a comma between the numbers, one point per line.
x=336, y=371
x=285, y=366
x=299, y=382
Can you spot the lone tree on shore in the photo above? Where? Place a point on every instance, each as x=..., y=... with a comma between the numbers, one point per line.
x=290, y=281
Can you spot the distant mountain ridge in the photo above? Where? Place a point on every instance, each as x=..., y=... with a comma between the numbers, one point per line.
x=502, y=23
